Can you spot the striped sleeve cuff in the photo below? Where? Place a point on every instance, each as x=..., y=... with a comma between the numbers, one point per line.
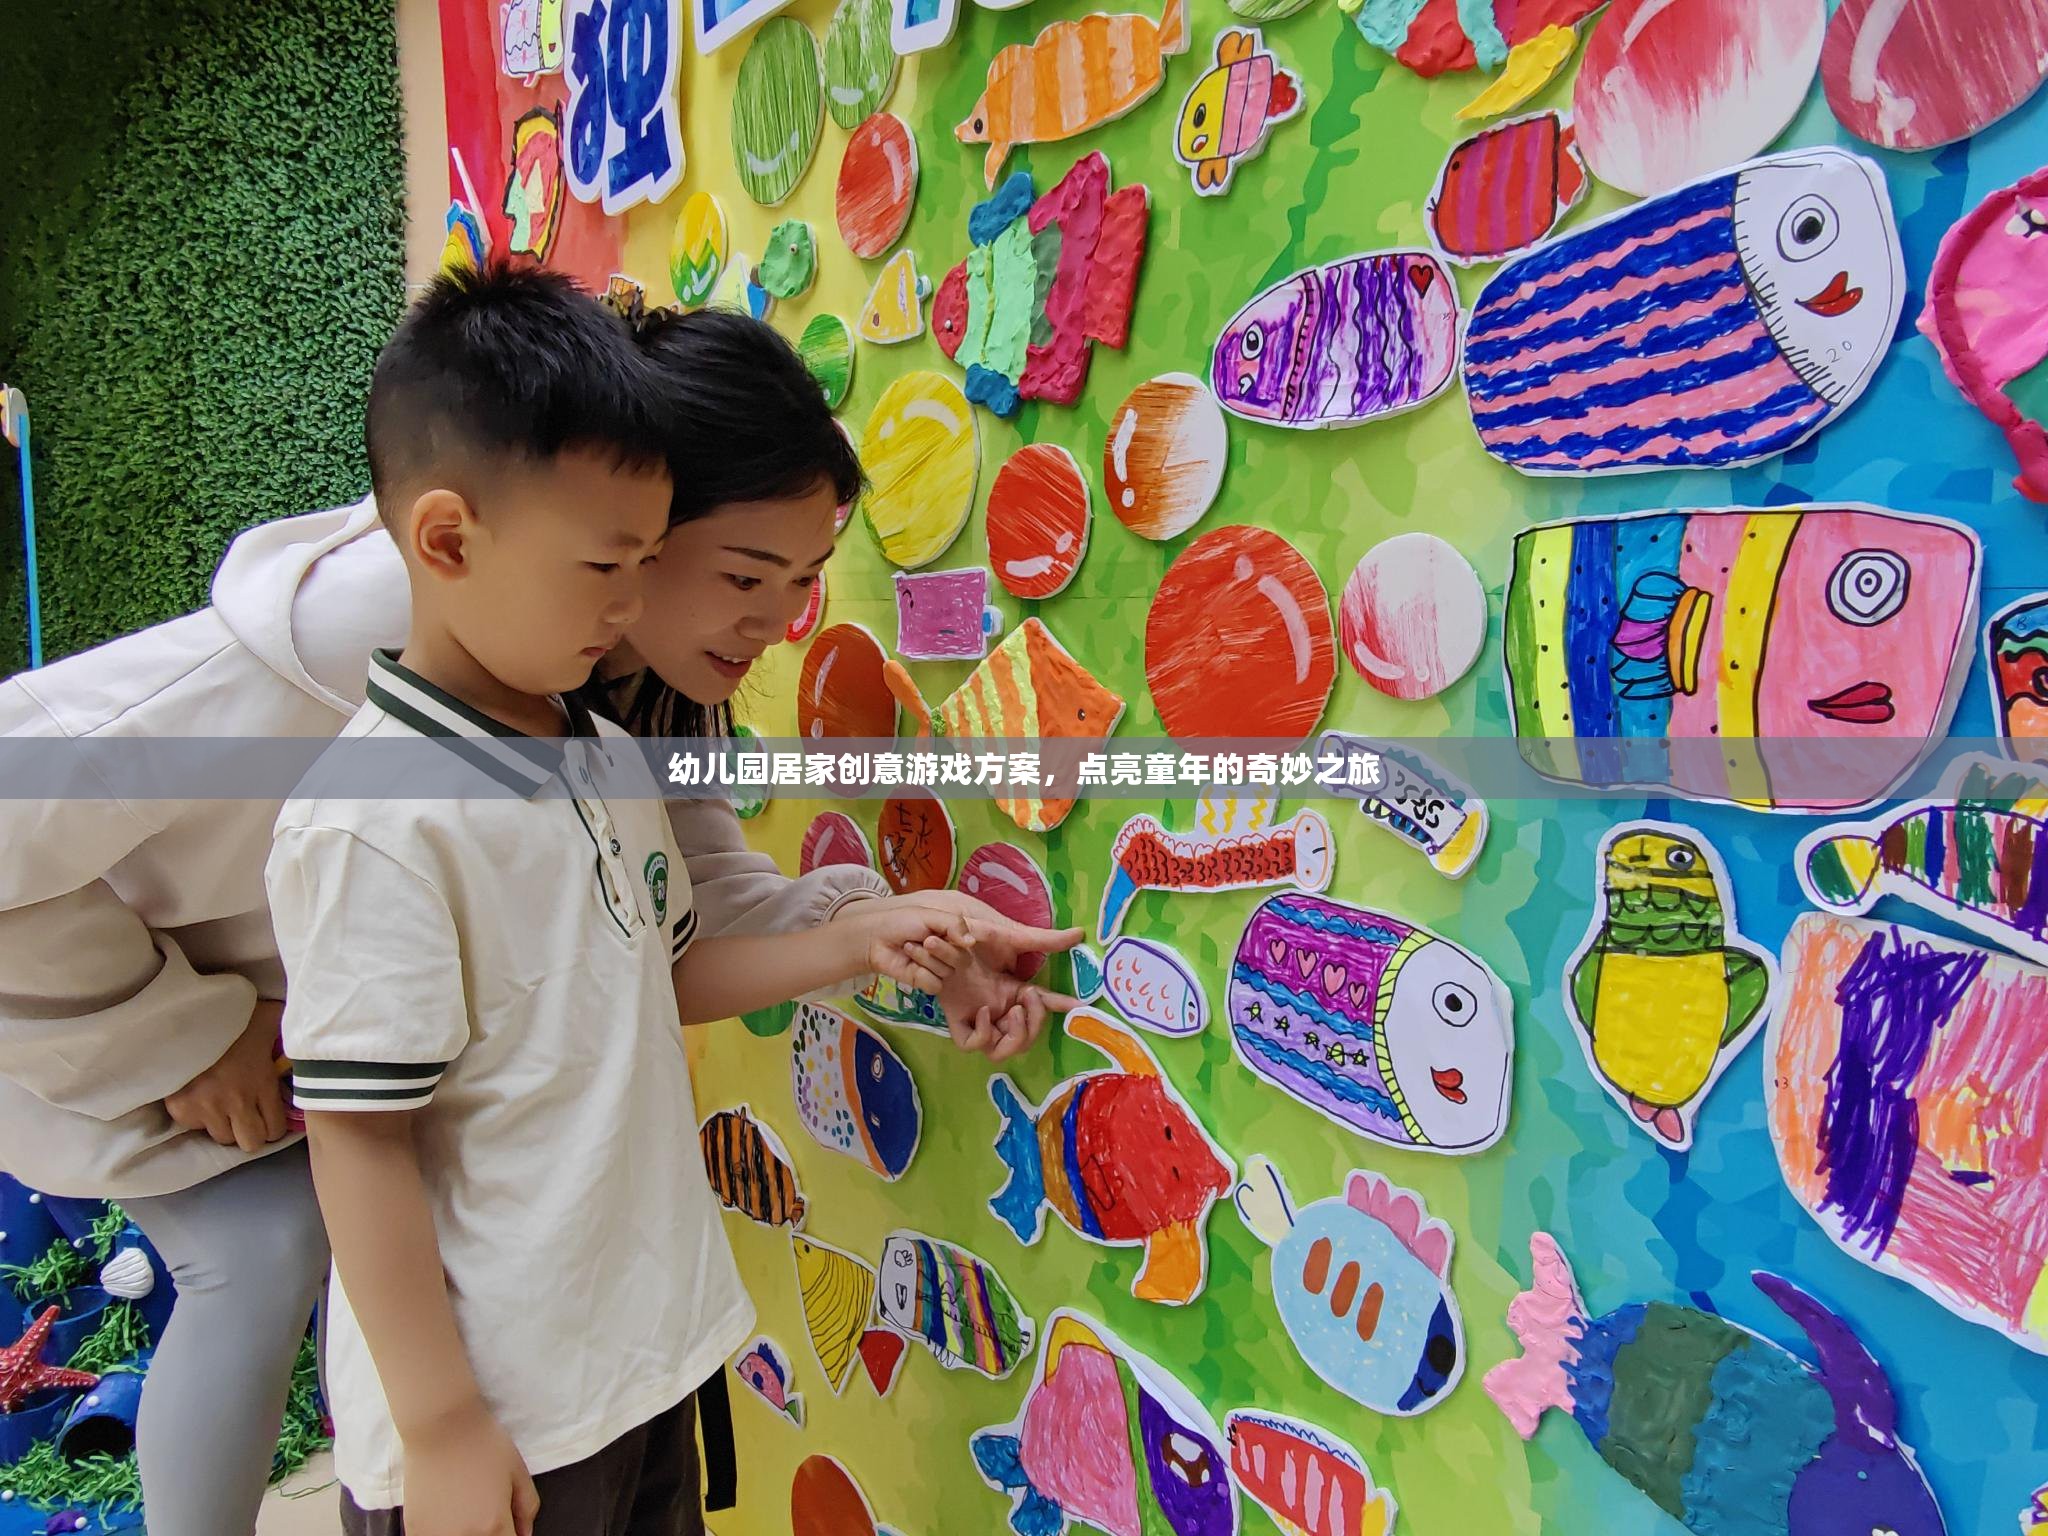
x=680, y=933
x=364, y=1085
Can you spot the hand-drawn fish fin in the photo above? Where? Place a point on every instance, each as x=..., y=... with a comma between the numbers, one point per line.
x=1262, y=1202
x=793, y=1405
x=1020, y=1203
x=1400, y=1212
x=1173, y=28
x=1854, y=1380
x=1115, y=1042
x=1001, y=1459
x=1122, y=887
x=992, y=162
x=1572, y=178
x=1749, y=986
x=904, y=688
x=1174, y=1264
x=1586, y=988
x=1842, y=871
x=1085, y=967
x=1233, y=45
x=1284, y=100
x=1546, y=1320
x=1211, y=173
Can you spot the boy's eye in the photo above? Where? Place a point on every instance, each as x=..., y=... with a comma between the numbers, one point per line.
x=603, y=567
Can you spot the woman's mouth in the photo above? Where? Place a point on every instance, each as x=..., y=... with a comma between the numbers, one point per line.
x=734, y=667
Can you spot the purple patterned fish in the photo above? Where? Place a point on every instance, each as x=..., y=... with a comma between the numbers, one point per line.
x=1361, y=338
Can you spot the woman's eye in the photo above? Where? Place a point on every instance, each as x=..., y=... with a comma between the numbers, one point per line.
x=745, y=583
x=602, y=567
x=806, y=582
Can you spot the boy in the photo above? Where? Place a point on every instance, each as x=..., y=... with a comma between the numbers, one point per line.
x=531, y=1273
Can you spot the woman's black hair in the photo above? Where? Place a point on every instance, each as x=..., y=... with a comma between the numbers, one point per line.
x=745, y=422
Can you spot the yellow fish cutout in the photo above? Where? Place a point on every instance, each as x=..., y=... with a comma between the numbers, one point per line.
x=894, y=311
x=922, y=456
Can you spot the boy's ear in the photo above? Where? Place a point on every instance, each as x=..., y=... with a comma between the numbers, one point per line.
x=438, y=530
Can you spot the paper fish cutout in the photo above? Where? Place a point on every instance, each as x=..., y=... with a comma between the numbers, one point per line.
x=1672, y=90
x=922, y=454
x=1363, y=1287
x=1154, y=988
x=1107, y=1439
x=840, y=688
x=826, y=346
x=1238, y=640
x=1038, y=521
x=535, y=188
x=824, y=1500
x=791, y=265
x=1417, y=799
x=1305, y=1478
x=1029, y=688
x=1979, y=859
x=1163, y=460
x=467, y=244
x=1904, y=1080
x=1047, y=276
x=778, y=110
x=2016, y=647
x=853, y=1093
x=1931, y=72
x=1777, y=284
x=1987, y=315
x=1796, y=659
x=860, y=66
x=1742, y=1434
x=530, y=38
x=915, y=834
x=696, y=253
x=1356, y=340
x=1663, y=989
x=890, y=1003
x=1440, y=37
x=764, y=1367
x=877, y=185
x=1505, y=188
x=1383, y=1027
x=1076, y=75
x=750, y=1170
x=945, y=615
x=1009, y=880
x=1146, y=857
x=894, y=312
x=837, y=1291
x=1122, y=1159
x=1413, y=616
x=833, y=837
x=952, y=1303
x=1229, y=112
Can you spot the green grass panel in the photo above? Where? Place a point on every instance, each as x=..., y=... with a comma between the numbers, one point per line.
x=201, y=249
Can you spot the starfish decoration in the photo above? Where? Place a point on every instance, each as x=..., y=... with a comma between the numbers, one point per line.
x=1358, y=1058
x=1255, y=1012
x=1315, y=1040
x=1337, y=1054
x=23, y=1373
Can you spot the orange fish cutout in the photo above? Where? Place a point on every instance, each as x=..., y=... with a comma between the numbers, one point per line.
x=1076, y=75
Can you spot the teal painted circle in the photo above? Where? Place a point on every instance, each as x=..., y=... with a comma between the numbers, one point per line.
x=860, y=63
x=778, y=110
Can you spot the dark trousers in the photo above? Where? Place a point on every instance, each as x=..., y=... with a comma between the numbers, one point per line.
x=645, y=1483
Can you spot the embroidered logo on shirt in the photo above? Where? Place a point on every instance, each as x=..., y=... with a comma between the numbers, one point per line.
x=655, y=872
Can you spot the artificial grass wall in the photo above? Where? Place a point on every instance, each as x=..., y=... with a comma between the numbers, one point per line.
x=200, y=251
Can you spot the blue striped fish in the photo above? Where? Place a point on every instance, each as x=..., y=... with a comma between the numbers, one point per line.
x=1717, y=325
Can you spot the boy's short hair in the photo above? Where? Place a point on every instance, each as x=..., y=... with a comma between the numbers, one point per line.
x=744, y=418
x=506, y=362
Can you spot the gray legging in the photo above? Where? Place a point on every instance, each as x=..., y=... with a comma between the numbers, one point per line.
x=248, y=1252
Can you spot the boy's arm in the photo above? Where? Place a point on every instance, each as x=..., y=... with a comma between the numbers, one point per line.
x=457, y=1457
x=913, y=944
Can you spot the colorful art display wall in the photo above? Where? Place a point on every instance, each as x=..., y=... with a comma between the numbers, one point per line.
x=1384, y=372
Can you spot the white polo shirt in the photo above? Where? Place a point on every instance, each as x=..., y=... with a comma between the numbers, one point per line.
x=499, y=963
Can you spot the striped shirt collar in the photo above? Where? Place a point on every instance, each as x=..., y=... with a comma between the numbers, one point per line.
x=523, y=763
